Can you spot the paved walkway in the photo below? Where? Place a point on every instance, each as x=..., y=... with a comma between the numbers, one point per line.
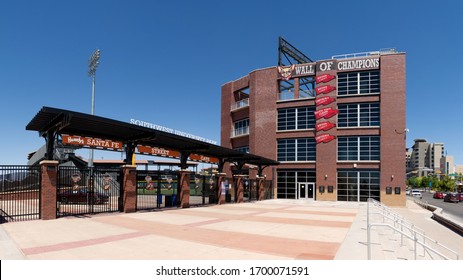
x=266, y=230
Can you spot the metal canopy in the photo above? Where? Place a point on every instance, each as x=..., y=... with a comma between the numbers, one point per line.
x=50, y=122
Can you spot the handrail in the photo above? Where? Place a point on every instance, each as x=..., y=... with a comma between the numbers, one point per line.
x=398, y=220
x=415, y=240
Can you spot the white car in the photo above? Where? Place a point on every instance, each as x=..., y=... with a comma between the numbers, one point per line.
x=408, y=191
x=416, y=193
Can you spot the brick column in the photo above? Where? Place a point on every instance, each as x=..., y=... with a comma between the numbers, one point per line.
x=49, y=183
x=221, y=189
x=184, y=180
x=130, y=188
x=260, y=188
x=239, y=195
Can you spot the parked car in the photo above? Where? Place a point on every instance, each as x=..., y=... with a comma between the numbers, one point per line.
x=438, y=195
x=82, y=195
x=416, y=193
x=451, y=197
x=460, y=197
x=408, y=191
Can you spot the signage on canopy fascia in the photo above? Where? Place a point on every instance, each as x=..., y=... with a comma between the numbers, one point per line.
x=154, y=151
x=92, y=142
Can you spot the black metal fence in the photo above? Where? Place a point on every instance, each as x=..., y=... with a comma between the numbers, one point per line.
x=83, y=191
x=20, y=193
x=156, y=189
x=203, y=190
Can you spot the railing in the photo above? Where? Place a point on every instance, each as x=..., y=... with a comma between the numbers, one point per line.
x=405, y=229
x=240, y=104
x=240, y=131
x=365, y=54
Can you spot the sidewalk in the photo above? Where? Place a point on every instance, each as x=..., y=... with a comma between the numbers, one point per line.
x=266, y=230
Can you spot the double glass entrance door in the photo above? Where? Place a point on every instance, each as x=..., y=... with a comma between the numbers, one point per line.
x=305, y=190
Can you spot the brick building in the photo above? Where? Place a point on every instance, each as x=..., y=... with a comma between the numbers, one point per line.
x=336, y=126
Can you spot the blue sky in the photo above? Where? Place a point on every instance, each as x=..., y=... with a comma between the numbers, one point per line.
x=165, y=61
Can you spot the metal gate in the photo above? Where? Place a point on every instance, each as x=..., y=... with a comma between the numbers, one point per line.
x=20, y=193
x=203, y=189
x=83, y=191
x=156, y=189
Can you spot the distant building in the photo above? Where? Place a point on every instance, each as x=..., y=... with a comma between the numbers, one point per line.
x=447, y=165
x=425, y=158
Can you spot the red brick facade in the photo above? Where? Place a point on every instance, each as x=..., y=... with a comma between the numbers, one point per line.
x=264, y=102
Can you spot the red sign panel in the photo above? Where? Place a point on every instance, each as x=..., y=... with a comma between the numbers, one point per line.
x=204, y=158
x=158, y=151
x=91, y=142
x=326, y=100
x=324, y=78
x=325, y=126
x=324, y=138
x=325, y=113
x=324, y=89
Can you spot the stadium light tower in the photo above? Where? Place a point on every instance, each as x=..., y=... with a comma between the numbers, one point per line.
x=93, y=63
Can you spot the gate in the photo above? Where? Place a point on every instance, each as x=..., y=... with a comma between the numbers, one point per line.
x=83, y=191
x=20, y=193
x=203, y=189
x=156, y=189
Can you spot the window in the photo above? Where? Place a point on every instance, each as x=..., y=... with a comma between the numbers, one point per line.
x=287, y=181
x=358, y=115
x=296, y=118
x=352, y=83
x=358, y=185
x=363, y=148
x=241, y=127
x=296, y=149
x=244, y=149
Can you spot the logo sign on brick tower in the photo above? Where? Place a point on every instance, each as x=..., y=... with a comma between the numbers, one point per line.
x=325, y=113
x=325, y=100
x=324, y=138
x=324, y=78
x=325, y=126
x=324, y=89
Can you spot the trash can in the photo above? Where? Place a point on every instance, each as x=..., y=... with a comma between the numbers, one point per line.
x=227, y=197
x=168, y=201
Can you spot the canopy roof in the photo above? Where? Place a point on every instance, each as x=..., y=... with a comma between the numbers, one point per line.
x=49, y=121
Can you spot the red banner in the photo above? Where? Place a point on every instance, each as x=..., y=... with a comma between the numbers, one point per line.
x=91, y=142
x=325, y=126
x=324, y=89
x=324, y=138
x=326, y=100
x=325, y=113
x=324, y=78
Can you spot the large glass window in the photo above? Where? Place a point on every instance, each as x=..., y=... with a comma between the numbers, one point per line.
x=358, y=185
x=296, y=149
x=296, y=118
x=287, y=181
x=358, y=148
x=351, y=83
x=358, y=115
x=241, y=127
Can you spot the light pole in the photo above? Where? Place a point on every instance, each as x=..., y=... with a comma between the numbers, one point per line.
x=93, y=63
